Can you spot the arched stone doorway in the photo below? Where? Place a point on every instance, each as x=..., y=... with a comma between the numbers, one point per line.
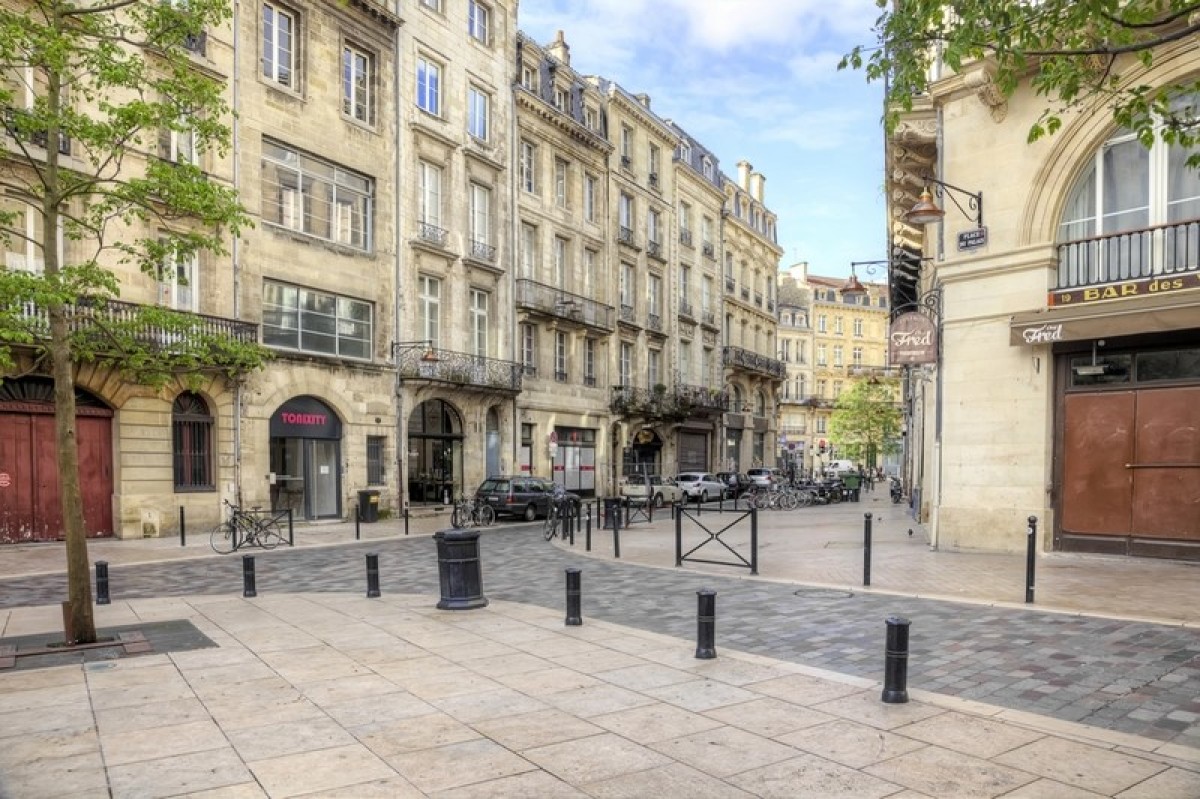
x=306, y=457
x=643, y=454
x=435, y=453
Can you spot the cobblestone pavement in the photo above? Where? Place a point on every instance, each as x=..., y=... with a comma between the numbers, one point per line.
x=1128, y=676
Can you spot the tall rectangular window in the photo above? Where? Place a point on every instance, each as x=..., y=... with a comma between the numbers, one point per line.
x=316, y=197
x=357, y=76
x=478, y=20
x=685, y=285
x=589, y=197
x=191, y=433
x=857, y=356
x=529, y=348
x=375, y=469
x=528, y=250
x=654, y=227
x=837, y=355
x=655, y=156
x=279, y=45
x=626, y=287
x=654, y=368
x=560, y=182
x=560, y=356
x=626, y=145
x=821, y=357
x=625, y=364
x=625, y=212
x=481, y=211
x=562, y=265
x=429, y=308
x=589, y=272
x=429, y=86
x=528, y=167
x=177, y=286
x=429, y=194
x=858, y=328
x=589, y=361
x=301, y=319
x=654, y=295
x=479, y=322
x=706, y=293
x=477, y=113
x=685, y=362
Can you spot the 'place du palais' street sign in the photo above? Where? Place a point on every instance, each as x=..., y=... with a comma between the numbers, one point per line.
x=972, y=239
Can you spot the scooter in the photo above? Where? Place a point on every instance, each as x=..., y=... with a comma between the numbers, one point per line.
x=896, y=492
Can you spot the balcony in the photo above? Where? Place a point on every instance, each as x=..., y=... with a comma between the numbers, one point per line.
x=460, y=368
x=685, y=237
x=560, y=376
x=660, y=403
x=652, y=180
x=1157, y=252
x=709, y=250
x=625, y=236
x=685, y=309
x=745, y=294
x=654, y=250
x=758, y=298
x=740, y=358
x=482, y=251
x=552, y=301
x=431, y=234
x=626, y=162
x=19, y=125
x=196, y=42
x=708, y=318
x=628, y=315
x=654, y=322
x=730, y=285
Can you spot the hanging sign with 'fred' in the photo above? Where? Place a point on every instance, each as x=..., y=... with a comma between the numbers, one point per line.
x=912, y=339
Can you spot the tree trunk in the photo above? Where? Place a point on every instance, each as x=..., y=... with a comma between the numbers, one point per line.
x=79, y=578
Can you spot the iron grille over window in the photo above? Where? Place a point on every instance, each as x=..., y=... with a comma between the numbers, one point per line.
x=191, y=426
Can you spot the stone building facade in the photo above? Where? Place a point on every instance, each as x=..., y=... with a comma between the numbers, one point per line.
x=1068, y=372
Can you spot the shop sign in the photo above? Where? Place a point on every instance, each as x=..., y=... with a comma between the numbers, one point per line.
x=305, y=417
x=912, y=339
x=1124, y=289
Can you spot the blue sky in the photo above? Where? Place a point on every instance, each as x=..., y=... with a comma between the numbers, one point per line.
x=753, y=79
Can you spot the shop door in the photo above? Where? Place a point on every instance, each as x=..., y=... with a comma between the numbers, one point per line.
x=1131, y=471
x=693, y=452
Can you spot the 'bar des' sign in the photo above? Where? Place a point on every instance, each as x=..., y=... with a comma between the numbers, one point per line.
x=912, y=339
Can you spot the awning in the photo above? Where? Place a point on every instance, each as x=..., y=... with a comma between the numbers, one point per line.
x=1149, y=314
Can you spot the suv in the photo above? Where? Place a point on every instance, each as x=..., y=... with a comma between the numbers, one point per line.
x=738, y=482
x=763, y=478
x=520, y=495
x=703, y=485
x=660, y=491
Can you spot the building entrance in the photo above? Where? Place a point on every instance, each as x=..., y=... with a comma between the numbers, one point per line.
x=306, y=437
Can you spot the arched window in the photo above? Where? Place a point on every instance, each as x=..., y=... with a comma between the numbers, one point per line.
x=735, y=399
x=191, y=427
x=760, y=404
x=1133, y=212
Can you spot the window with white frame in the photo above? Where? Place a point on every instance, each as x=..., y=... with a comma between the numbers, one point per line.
x=685, y=152
x=837, y=355
x=685, y=223
x=858, y=328
x=706, y=228
x=685, y=284
x=654, y=295
x=529, y=77
x=529, y=250
x=429, y=86
x=560, y=356
x=481, y=215
x=478, y=320
x=560, y=182
x=685, y=362
x=429, y=194
x=707, y=167
x=837, y=388
x=529, y=348
x=279, y=28
x=821, y=386
x=478, y=103
x=589, y=361
x=306, y=320
x=316, y=197
x=587, y=280
x=706, y=366
x=436, y=5
x=429, y=308
x=590, y=118
x=857, y=356
x=654, y=368
x=562, y=99
x=626, y=287
x=626, y=145
x=589, y=197
x=821, y=359
x=654, y=227
x=178, y=145
x=177, y=286
x=479, y=18
x=358, y=72
x=528, y=167
x=822, y=323
x=837, y=325
x=706, y=294
x=562, y=265
x=625, y=212
x=625, y=364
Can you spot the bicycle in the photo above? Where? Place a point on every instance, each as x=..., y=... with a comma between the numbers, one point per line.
x=246, y=528
x=471, y=513
x=554, y=515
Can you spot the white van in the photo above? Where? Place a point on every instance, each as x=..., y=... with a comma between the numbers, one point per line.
x=840, y=467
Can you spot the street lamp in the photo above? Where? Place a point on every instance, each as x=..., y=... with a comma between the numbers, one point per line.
x=926, y=210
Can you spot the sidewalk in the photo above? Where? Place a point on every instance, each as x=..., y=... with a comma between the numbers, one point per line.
x=336, y=695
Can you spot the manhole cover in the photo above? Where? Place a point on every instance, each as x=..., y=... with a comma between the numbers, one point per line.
x=823, y=593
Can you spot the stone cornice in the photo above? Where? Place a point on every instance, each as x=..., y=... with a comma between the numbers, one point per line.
x=563, y=122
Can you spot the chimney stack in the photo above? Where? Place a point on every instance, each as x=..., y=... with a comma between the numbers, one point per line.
x=560, y=50
x=744, y=174
x=757, y=182
x=644, y=99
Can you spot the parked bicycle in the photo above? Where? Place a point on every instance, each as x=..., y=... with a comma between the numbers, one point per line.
x=559, y=508
x=471, y=513
x=248, y=528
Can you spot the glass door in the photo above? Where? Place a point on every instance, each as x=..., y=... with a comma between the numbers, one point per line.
x=321, y=463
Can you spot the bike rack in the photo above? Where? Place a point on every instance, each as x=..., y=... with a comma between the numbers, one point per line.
x=715, y=536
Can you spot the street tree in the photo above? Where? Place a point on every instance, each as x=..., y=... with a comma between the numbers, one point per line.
x=89, y=88
x=1074, y=53
x=866, y=420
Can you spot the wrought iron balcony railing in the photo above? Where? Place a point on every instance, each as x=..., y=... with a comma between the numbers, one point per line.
x=682, y=402
x=654, y=249
x=685, y=309
x=531, y=295
x=710, y=251
x=685, y=237
x=628, y=314
x=730, y=285
x=461, y=368
x=89, y=314
x=654, y=322
x=708, y=318
x=1160, y=251
x=482, y=251
x=432, y=234
x=625, y=236
x=740, y=358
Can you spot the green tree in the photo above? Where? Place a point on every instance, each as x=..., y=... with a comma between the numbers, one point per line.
x=865, y=421
x=87, y=90
x=1075, y=53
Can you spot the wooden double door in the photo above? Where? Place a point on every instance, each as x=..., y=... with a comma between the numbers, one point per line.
x=1131, y=472
x=30, y=498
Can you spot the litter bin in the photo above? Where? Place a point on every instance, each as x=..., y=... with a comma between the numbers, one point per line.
x=459, y=570
x=852, y=482
x=368, y=505
x=612, y=512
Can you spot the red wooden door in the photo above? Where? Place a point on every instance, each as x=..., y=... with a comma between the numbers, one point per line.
x=1097, y=490
x=17, y=484
x=1166, y=465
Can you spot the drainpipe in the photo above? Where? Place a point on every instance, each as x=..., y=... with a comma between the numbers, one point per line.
x=513, y=238
x=398, y=280
x=936, y=503
x=235, y=250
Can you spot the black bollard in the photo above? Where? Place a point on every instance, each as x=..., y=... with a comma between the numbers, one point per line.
x=182, y=529
x=1030, y=559
x=866, y=549
x=248, y=576
x=102, y=583
x=372, y=575
x=588, y=530
x=679, y=538
x=617, y=540
x=753, y=541
x=291, y=530
x=706, y=623
x=406, y=519
x=574, y=616
x=895, y=664
x=357, y=520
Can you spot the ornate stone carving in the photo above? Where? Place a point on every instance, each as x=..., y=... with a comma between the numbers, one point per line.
x=983, y=82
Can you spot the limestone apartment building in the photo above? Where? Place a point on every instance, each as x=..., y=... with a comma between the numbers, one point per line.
x=1069, y=379
x=829, y=339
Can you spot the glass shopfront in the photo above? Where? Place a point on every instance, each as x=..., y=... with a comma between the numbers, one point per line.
x=435, y=444
x=306, y=442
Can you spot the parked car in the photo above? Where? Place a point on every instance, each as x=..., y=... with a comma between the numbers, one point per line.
x=704, y=485
x=520, y=495
x=738, y=482
x=763, y=478
x=660, y=490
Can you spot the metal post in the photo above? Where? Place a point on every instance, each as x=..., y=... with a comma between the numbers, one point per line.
x=574, y=595
x=588, y=530
x=182, y=529
x=706, y=623
x=628, y=506
x=679, y=538
x=866, y=549
x=617, y=537
x=357, y=520
x=895, y=665
x=102, y=583
x=372, y=575
x=754, y=540
x=571, y=518
x=406, y=519
x=248, y=576
x=291, y=530
x=1030, y=559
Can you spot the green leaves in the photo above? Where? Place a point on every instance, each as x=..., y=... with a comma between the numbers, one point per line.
x=866, y=418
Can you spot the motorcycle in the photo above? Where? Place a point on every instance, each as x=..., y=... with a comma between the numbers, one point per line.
x=897, y=494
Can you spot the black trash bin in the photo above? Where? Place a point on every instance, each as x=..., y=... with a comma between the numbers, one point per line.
x=459, y=570
x=368, y=505
x=612, y=512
